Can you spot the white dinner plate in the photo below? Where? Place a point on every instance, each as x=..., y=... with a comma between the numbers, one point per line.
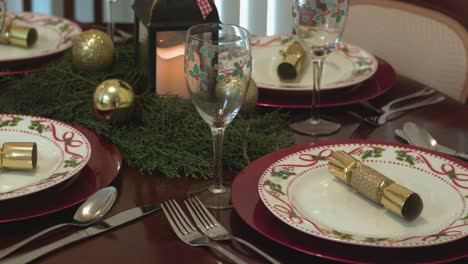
x=346, y=66
x=299, y=190
x=55, y=34
x=62, y=151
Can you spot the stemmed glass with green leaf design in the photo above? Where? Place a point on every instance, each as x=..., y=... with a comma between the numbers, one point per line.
x=3, y=11
x=218, y=65
x=319, y=24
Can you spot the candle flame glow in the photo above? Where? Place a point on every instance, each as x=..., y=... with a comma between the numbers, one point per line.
x=171, y=52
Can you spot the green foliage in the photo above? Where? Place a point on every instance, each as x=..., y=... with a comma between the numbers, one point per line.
x=169, y=137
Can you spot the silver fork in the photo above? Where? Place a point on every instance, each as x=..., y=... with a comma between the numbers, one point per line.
x=427, y=91
x=184, y=229
x=378, y=120
x=213, y=229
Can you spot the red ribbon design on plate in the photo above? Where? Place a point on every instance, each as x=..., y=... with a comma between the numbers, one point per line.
x=67, y=138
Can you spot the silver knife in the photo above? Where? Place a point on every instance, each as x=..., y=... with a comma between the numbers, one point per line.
x=106, y=225
x=419, y=137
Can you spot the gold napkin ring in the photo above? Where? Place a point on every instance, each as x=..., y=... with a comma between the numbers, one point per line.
x=20, y=36
x=18, y=156
x=293, y=62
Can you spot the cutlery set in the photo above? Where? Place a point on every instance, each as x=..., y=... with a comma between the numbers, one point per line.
x=103, y=226
x=418, y=136
x=411, y=133
x=103, y=200
x=210, y=228
x=383, y=114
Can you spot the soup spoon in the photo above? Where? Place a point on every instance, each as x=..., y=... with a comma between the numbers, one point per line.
x=90, y=212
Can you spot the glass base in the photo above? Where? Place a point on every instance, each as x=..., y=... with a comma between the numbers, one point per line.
x=212, y=196
x=315, y=127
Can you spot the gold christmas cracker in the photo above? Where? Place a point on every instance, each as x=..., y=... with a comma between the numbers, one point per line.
x=375, y=186
x=20, y=36
x=18, y=156
x=293, y=62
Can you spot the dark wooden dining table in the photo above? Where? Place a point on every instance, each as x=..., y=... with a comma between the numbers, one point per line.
x=151, y=239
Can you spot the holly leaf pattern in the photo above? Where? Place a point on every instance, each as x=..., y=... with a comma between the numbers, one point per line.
x=230, y=62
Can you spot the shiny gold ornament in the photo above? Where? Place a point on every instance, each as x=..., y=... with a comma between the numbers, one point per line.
x=18, y=156
x=93, y=50
x=231, y=88
x=251, y=98
x=375, y=186
x=114, y=100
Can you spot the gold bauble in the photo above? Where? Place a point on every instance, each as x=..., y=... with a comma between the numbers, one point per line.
x=251, y=98
x=114, y=100
x=93, y=50
x=230, y=89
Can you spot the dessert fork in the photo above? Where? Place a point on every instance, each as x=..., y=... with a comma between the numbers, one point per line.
x=378, y=120
x=184, y=229
x=209, y=226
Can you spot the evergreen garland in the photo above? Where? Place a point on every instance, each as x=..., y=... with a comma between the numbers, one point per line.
x=170, y=138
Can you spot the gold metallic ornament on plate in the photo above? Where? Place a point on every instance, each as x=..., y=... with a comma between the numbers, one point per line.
x=18, y=156
x=20, y=36
x=293, y=62
x=114, y=100
x=375, y=186
x=93, y=50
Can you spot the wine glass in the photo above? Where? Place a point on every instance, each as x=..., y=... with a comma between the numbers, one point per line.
x=217, y=67
x=3, y=11
x=319, y=25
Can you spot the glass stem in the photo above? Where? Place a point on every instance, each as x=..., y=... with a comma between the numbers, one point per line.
x=218, y=136
x=111, y=23
x=317, y=66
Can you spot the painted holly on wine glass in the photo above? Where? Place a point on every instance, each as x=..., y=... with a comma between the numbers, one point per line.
x=218, y=65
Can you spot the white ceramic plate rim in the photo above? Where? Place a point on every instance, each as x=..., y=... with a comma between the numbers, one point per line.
x=75, y=149
x=354, y=55
x=450, y=173
x=66, y=30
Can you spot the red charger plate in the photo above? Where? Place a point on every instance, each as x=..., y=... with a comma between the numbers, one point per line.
x=246, y=201
x=102, y=168
x=380, y=82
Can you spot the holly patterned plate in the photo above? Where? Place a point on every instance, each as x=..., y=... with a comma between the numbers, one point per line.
x=55, y=34
x=300, y=191
x=62, y=151
x=346, y=66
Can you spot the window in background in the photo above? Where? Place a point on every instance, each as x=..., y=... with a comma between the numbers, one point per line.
x=83, y=9
x=260, y=17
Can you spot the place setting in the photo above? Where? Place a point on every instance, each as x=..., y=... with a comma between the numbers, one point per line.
x=29, y=40
x=43, y=159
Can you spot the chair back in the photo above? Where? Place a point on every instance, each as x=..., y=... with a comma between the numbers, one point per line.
x=421, y=43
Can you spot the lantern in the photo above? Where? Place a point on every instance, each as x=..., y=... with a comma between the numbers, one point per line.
x=160, y=29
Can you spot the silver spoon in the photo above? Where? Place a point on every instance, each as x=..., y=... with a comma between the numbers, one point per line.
x=401, y=134
x=90, y=212
x=422, y=138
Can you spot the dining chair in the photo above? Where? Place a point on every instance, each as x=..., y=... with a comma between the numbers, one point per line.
x=420, y=43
